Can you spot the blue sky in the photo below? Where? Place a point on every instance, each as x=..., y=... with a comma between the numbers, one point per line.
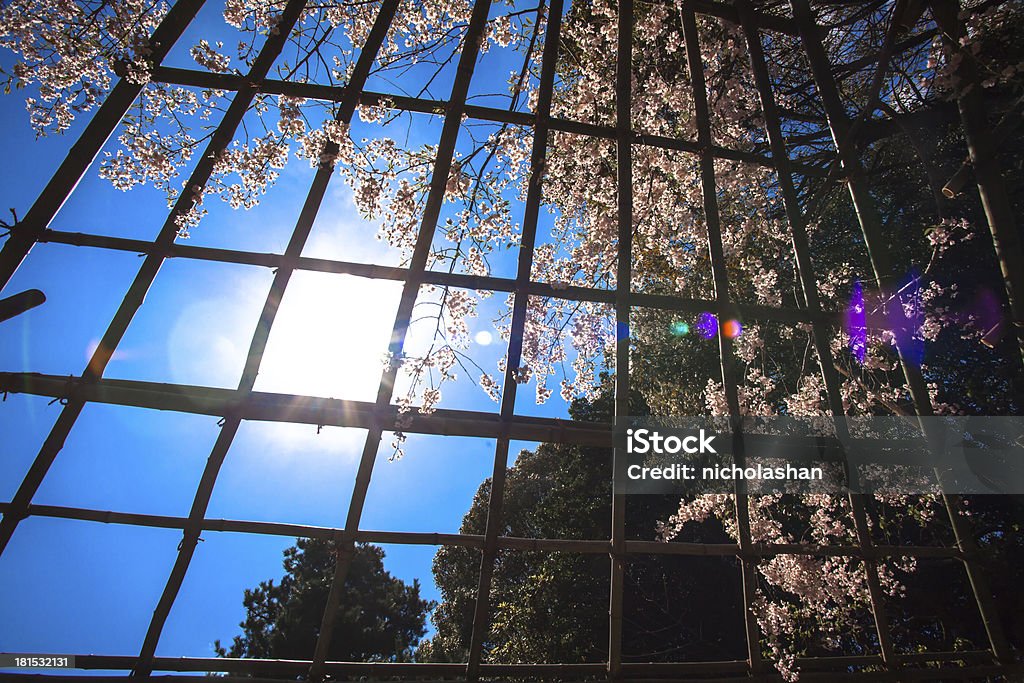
x=77, y=587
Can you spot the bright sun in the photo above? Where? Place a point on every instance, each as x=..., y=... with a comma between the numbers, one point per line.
x=330, y=337
x=329, y=340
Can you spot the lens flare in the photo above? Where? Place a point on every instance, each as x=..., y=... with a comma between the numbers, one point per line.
x=680, y=328
x=732, y=328
x=905, y=317
x=707, y=325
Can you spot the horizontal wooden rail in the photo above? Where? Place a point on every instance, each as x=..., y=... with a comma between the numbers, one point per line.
x=325, y=412
x=549, y=545
x=815, y=669
x=663, y=302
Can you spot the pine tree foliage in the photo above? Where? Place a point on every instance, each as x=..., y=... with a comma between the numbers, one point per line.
x=381, y=618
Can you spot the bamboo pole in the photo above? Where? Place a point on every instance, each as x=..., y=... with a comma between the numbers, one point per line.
x=534, y=198
x=304, y=224
x=303, y=409
x=366, y=270
x=730, y=381
x=623, y=288
x=549, y=545
x=410, y=290
x=19, y=303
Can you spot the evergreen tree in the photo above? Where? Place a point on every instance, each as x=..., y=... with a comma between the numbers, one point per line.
x=380, y=618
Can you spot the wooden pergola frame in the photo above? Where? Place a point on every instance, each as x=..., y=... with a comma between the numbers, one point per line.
x=243, y=403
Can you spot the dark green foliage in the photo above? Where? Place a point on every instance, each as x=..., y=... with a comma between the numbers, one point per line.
x=381, y=618
x=553, y=607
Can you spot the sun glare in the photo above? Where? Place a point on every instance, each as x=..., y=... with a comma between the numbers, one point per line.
x=329, y=340
x=330, y=337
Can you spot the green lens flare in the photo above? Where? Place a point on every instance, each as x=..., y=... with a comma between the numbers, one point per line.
x=680, y=329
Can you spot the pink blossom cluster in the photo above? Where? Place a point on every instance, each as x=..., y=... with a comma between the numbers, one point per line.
x=69, y=51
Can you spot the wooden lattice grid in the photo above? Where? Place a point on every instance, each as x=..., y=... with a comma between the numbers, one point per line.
x=244, y=403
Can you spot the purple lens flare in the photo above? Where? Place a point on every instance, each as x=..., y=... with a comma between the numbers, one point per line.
x=707, y=325
x=905, y=317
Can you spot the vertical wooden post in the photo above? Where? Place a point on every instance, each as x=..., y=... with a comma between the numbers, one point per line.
x=623, y=289
x=534, y=198
x=410, y=290
x=730, y=380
